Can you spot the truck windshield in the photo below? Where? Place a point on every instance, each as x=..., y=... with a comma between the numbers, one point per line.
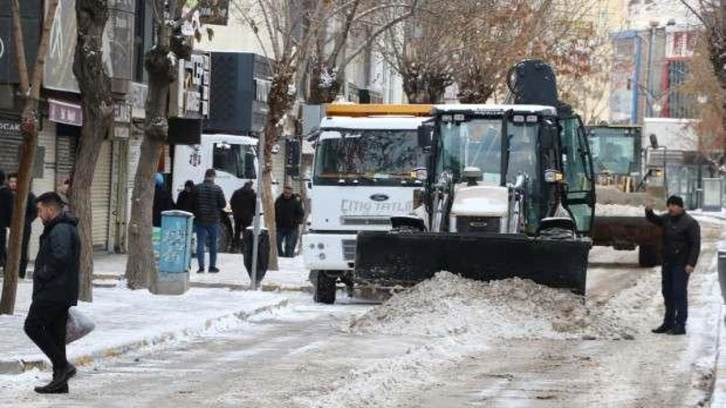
x=235, y=159
x=478, y=143
x=364, y=157
x=613, y=151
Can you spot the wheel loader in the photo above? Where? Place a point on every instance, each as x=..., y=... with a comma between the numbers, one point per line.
x=508, y=192
x=622, y=178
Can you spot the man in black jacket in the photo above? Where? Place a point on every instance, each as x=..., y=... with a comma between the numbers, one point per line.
x=210, y=203
x=243, y=203
x=31, y=213
x=55, y=288
x=681, y=247
x=288, y=216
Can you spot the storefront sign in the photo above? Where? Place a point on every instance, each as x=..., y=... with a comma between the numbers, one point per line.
x=64, y=112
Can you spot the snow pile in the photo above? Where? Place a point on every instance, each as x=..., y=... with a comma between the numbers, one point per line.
x=606, y=210
x=449, y=305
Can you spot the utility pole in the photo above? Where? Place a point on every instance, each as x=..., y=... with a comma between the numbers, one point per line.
x=649, y=79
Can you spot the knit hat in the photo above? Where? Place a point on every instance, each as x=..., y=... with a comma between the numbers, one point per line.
x=675, y=200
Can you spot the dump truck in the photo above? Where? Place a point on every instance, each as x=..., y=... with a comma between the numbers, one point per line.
x=508, y=192
x=365, y=164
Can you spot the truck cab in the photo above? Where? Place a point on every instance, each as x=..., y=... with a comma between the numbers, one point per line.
x=233, y=157
x=367, y=164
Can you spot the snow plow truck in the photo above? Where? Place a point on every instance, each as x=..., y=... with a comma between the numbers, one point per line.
x=509, y=192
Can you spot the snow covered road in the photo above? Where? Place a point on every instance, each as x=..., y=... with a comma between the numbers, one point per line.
x=448, y=343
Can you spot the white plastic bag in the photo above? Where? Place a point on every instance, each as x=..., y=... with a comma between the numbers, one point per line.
x=78, y=325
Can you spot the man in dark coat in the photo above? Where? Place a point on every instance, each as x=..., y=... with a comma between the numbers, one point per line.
x=162, y=200
x=681, y=247
x=210, y=203
x=31, y=213
x=55, y=288
x=243, y=203
x=288, y=216
x=185, y=199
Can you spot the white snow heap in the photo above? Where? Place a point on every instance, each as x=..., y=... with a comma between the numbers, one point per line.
x=619, y=210
x=449, y=305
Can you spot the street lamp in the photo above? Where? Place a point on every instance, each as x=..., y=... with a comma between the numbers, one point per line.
x=649, y=80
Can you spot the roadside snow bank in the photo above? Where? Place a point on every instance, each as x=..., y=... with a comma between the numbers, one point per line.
x=449, y=305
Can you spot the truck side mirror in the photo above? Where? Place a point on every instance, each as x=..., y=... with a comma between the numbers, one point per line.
x=653, y=141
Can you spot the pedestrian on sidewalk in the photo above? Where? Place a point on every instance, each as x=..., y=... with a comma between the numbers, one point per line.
x=162, y=200
x=681, y=247
x=243, y=203
x=31, y=213
x=55, y=288
x=288, y=217
x=210, y=205
x=185, y=199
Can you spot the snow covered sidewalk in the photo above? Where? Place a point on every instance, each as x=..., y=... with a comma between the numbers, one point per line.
x=126, y=320
x=291, y=276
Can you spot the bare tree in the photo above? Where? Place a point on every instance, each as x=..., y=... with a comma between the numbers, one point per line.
x=292, y=28
x=97, y=105
x=423, y=47
x=335, y=49
x=712, y=14
x=160, y=62
x=30, y=90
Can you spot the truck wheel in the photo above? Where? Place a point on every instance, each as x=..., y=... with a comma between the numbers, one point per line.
x=648, y=256
x=324, y=287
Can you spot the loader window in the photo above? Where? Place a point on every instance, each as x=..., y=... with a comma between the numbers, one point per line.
x=476, y=143
x=578, y=173
x=235, y=159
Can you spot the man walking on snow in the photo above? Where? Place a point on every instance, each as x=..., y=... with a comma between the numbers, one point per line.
x=55, y=288
x=210, y=202
x=681, y=247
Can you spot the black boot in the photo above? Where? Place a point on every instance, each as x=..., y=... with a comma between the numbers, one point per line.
x=678, y=329
x=663, y=328
x=53, y=388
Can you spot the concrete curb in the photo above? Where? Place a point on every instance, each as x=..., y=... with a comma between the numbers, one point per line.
x=18, y=366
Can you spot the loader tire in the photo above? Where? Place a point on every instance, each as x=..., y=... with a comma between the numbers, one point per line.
x=324, y=288
x=648, y=256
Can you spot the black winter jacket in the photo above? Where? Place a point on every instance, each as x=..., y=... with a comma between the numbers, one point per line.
x=162, y=202
x=185, y=201
x=681, y=238
x=210, y=202
x=289, y=212
x=55, y=276
x=243, y=203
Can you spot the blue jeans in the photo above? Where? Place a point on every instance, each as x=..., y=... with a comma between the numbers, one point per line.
x=207, y=230
x=289, y=237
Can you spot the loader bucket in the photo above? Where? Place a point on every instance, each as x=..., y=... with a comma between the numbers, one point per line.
x=406, y=258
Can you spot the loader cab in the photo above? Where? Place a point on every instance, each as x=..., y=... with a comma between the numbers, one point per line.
x=507, y=142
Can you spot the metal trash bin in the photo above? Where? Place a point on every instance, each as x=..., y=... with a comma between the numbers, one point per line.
x=175, y=252
x=263, y=252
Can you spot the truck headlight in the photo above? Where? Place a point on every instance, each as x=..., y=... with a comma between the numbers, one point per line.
x=552, y=176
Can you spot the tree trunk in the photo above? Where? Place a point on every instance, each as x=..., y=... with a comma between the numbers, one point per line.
x=141, y=268
x=323, y=91
x=141, y=265
x=97, y=106
x=29, y=130
x=279, y=101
